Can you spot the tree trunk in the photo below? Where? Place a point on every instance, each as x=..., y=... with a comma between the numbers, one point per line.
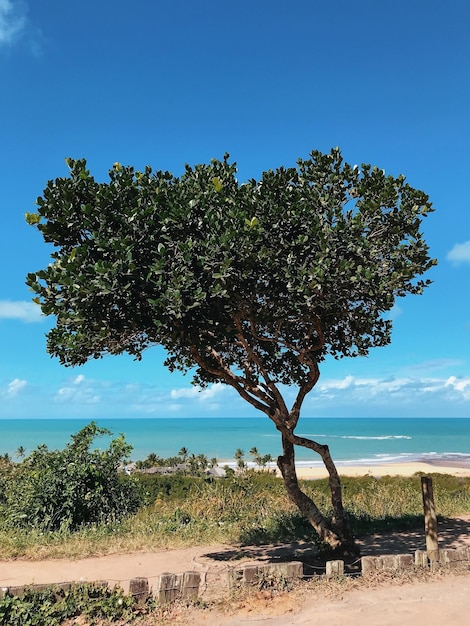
x=336, y=534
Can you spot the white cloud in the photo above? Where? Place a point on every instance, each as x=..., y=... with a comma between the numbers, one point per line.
x=15, y=387
x=393, y=394
x=337, y=384
x=460, y=253
x=24, y=311
x=461, y=385
x=210, y=396
x=206, y=394
x=78, y=391
x=12, y=21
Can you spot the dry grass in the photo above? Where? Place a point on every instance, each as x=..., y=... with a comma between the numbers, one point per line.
x=250, y=509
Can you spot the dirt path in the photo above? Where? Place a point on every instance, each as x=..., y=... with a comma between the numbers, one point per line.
x=443, y=602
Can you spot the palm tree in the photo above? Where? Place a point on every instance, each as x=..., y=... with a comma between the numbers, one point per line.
x=20, y=452
x=193, y=465
x=183, y=453
x=265, y=459
x=239, y=454
x=202, y=461
x=256, y=456
x=152, y=460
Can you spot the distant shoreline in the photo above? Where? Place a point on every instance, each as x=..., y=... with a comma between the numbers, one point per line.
x=437, y=466
x=362, y=443
x=378, y=469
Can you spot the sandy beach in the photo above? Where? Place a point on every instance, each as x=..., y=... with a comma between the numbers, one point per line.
x=388, y=469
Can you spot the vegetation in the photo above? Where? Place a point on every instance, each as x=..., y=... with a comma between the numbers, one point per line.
x=252, y=285
x=178, y=510
x=184, y=463
x=174, y=510
x=53, y=606
x=261, y=460
x=65, y=489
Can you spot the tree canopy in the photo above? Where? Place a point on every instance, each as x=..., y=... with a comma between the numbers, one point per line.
x=251, y=284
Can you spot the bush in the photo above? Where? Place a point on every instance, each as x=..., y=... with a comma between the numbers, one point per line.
x=71, y=487
x=162, y=486
x=52, y=606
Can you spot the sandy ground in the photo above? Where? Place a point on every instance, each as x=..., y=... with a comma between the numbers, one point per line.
x=213, y=561
x=444, y=601
x=390, y=469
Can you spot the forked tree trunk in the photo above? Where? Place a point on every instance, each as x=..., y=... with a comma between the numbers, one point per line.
x=337, y=533
x=266, y=398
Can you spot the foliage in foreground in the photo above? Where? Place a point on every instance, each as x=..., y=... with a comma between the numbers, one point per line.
x=100, y=606
x=53, y=489
x=52, y=606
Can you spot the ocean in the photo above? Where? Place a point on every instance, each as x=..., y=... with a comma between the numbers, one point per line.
x=352, y=441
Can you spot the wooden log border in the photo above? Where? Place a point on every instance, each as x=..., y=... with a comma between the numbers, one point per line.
x=170, y=587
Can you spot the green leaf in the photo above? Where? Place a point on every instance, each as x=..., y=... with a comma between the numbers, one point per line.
x=150, y=247
x=32, y=218
x=217, y=183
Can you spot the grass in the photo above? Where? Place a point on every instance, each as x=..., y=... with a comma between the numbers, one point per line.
x=251, y=509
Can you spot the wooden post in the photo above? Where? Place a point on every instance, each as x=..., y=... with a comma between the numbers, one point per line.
x=139, y=588
x=334, y=569
x=430, y=519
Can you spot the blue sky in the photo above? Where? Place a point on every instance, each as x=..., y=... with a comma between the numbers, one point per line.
x=168, y=83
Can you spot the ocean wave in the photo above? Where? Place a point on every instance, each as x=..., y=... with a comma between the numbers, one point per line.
x=384, y=459
x=377, y=437
x=360, y=437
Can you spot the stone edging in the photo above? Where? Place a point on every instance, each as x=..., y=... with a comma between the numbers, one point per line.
x=170, y=587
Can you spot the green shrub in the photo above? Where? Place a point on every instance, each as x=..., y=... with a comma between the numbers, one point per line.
x=155, y=486
x=52, y=606
x=71, y=487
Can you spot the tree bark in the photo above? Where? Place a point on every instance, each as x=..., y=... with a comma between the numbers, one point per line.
x=336, y=534
x=339, y=521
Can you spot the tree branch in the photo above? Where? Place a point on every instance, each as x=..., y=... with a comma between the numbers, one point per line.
x=224, y=373
x=257, y=361
x=314, y=375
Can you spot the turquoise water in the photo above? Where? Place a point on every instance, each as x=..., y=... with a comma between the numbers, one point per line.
x=351, y=441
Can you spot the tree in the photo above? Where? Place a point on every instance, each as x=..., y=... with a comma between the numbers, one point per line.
x=152, y=459
x=239, y=455
x=257, y=457
x=183, y=454
x=251, y=285
x=261, y=460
